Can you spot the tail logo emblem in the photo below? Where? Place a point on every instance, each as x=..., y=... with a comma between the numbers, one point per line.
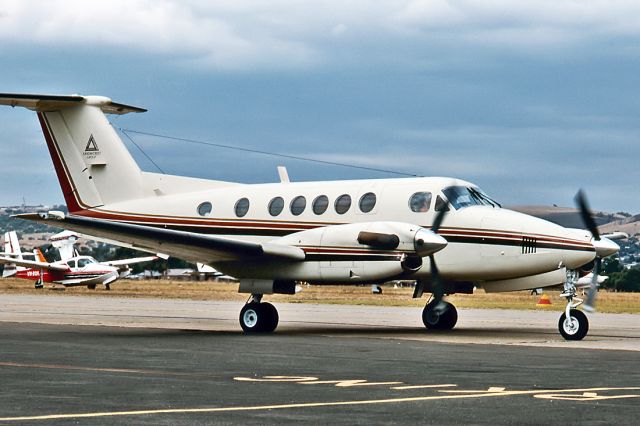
x=92, y=146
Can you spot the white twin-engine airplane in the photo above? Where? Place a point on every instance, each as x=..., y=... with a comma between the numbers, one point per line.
x=332, y=232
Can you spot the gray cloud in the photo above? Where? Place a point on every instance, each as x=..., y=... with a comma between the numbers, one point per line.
x=531, y=101
x=230, y=35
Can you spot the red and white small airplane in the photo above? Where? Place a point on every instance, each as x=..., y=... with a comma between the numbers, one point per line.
x=69, y=272
x=273, y=235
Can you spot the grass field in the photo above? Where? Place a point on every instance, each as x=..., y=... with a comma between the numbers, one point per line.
x=343, y=295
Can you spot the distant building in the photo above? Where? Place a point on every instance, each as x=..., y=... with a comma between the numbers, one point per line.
x=180, y=274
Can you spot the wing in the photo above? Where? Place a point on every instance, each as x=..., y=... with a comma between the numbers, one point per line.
x=131, y=261
x=34, y=264
x=184, y=245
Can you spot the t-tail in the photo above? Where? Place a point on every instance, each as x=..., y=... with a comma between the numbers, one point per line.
x=93, y=165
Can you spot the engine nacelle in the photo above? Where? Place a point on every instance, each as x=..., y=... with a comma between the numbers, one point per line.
x=362, y=252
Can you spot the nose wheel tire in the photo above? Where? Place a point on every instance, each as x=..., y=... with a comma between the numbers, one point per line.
x=575, y=327
x=443, y=317
x=259, y=318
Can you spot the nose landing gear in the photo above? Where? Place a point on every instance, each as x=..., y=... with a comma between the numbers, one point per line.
x=439, y=315
x=573, y=323
x=257, y=317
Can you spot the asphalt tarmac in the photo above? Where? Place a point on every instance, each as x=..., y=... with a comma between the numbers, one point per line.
x=80, y=374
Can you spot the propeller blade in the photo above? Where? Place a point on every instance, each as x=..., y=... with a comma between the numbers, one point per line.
x=436, y=279
x=585, y=213
x=437, y=221
x=590, y=304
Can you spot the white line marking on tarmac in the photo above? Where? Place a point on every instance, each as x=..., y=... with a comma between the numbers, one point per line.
x=300, y=405
x=80, y=368
x=423, y=386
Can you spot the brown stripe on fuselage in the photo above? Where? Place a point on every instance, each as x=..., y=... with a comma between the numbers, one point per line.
x=64, y=177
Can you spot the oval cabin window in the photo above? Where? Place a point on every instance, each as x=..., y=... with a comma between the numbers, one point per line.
x=204, y=209
x=275, y=206
x=320, y=204
x=298, y=205
x=367, y=202
x=343, y=204
x=242, y=207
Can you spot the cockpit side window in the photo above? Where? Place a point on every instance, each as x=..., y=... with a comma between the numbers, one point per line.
x=71, y=264
x=84, y=262
x=441, y=204
x=420, y=202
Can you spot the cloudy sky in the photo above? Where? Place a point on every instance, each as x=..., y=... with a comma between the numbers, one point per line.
x=530, y=100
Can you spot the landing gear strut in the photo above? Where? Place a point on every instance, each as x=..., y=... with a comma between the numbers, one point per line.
x=573, y=324
x=439, y=315
x=257, y=317
x=38, y=284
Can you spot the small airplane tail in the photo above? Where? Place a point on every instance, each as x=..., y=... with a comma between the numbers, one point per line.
x=12, y=245
x=11, y=249
x=9, y=270
x=39, y=256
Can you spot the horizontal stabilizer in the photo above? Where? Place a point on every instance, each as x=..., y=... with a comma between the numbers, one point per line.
x=45, y=103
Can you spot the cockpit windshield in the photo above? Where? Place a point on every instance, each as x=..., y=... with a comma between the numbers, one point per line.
x=461, y=196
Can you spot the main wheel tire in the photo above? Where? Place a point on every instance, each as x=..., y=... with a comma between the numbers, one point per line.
x=439, y=319
x=258, y=317
x=271, y=318
x=575, y=327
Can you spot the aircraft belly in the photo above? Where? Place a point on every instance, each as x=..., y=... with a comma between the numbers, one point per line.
x=302, y=271
x=329, y=271
x=71, y=282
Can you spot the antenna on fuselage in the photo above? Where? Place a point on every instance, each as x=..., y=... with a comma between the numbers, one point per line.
x=283, y=174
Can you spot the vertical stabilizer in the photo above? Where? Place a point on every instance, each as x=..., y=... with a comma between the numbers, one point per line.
x=12, y=245
x=93, y=165
x=39, y=257
x=12, y=249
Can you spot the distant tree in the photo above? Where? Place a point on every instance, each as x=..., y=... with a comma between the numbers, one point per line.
x=611, y=265
x=627, y=280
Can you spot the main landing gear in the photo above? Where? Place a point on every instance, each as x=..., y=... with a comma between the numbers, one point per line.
x=439, y=315
x=38, y=284
x=258, y=317
x=573, y=323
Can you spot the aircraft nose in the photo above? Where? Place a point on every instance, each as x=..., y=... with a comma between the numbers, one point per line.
x=605, y=247
x=427, y=242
